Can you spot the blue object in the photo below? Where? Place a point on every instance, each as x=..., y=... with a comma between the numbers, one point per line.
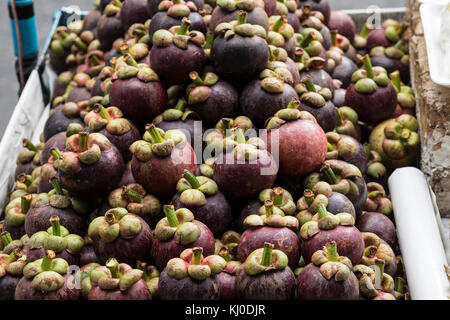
x=28, y=29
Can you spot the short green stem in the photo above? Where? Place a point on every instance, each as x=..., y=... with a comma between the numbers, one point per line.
x=209, y=41
x=56, y=154
x=113, y=267
x=399, y=44
x=294, y=104
x=277, y=196
x=368, y=66
x=154, y=133
x=339, y=119
x=307, y=40
x=133, y=196
x=169, y=211
x=55, y=183
x=268, y=206
x=56, y=226
x=309, y=196
x=83, y=139
x=181, y=104
x=184, y=28
x=322, y=211
x=94, y=60
x=197, y=255
x=370, y=251
x=379, y=270
x=130, y=60
x=101, y=110
x=25, y=203
x=266, y=260
x=330, y=177
x=110, y=218
x=239, y=136
x=143, y=267
x=334, y=42
x=25, y=179
x=80, y=44
x=29, y=145
x=47, y=260
x=196, y=78
x=309, y=84
x=191, y=179
x=365, y=31
x=399, y=285
x=396, y=82
x=242, y=17
x=6, y=238
x=278, y=24
x=332, y=251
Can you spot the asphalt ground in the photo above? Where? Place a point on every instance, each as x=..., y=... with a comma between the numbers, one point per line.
x=44, y=10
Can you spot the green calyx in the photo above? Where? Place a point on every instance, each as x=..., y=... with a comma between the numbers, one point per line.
x=177, y=225
x=16, y=215
x=264, y=260
x=331, y=264
x=308, y=205
x=115, y=276
x=194, y=190
x=156, y=143
x=116, y=222
x=200, y=89
x=291, y=113
x=281, y=198
x=343, y=148
x=377, y=200
x=240, y=27
x=368, y=80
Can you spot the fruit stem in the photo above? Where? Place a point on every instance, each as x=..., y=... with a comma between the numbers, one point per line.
x=224, y=253
x=134, y=196
x=399, y=285
x=25, y=179
x=239, y=135
x=113, y=267
x=278, y=196
x=196, y=78
x=294, y=104
x=102, y=112
x=181, y=104
x=370, y=251
x=379, y=270
x=226, y=122
x=143, y=266
x=25, y=203
x=80, y=44
x=309, y=84
x=47, y=260
x=29, y=145
x=279, y=23
x=368, y=66
x=191, y=179
x=329, y=175
x=332, y=251
x=209, y=41
x=396, y=82
x=266, y=259
x=184, y=28
x=154, y=133
x=56, y=227
x=130, y=60
x=169, y=211
x=334, y=42
x=309, y=196
x=398, y=45
x=55, y=153
x=307, y=40
x=55, y=183
x=13, y=256
x=6, y=238
x=242, y=17
x=339, y=119
x=365, y=31
x=197, y=255
x=268, y=206
x=110, y=218
x=322, y=211
x=83, y=139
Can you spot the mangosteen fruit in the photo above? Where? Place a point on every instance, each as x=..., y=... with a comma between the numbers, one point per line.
x=109, y=26
x=378, y=224
x=374, y=284
x=28, y=158
x=347, y=122
x=346, y=148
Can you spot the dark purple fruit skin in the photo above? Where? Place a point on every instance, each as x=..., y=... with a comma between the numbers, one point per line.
x=163, y=21
x=338, y=203
x=16, y=232
x=339, y=97
x=271, y=285
x=326, y=116
x=223, y=102
x=58, y=62
x=259, y=105
x=95, y=179
x=99, y=88
x=72, y=259
x=37, y=219
x=243, y=180
x=186, y=126
x=349, y=242
x=104, y=3
x=163, y=251
x=270, y=6
x=379, y=224
x=33, y=254
x=160, y=176
x=312, y=285
x=344, y=71
x=239, y=58
x=25, y=168
x=8, y=286
x=319, y=77
x=293, y=20
x=343, y=23
x=359, y=159
x=256, y=16
x=56, y=141
x=174, y=64
x=390, y=268
x=25, y=291
x=249, y=209
x=139, y=101
x=391, y=65
x=127, y=177
x=124, y=141
x=126, y=250
x=292, y=67
x=138, y=291
x=322, y=6
x=283, y=239
x=215, y=214
x=91, y=20
x=108, y=30
x=78, y=94
x=227, y=286
x=87, y=255
x=58, y=122
x=377, y=37
x=133, y=11
x=372, y=108
x=45, y=186
x=188, y=289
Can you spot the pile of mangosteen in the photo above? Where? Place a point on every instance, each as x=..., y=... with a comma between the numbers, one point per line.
x=214, y=149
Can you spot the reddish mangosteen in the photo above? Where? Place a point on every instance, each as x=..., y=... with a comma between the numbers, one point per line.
x=347, y=122
x=228, y=10
x=248, y=165
x=279, y=60
x=14, y=221
x=288, y=9
x=314, y=19
x=326, y=227
x=58, y=141
x=309, y=204
x=273, y=228
x=371, y=94
x=390, y=32
x=91, y=19
x=391, y=59
x=133, y=11
x=317, y=101
x=118, y=281
x=28, y=158
x=239, y=50
x=376, y=171
x=91, y=165
x=283, y=204
x=227, y=280
x=270, y=6
x=111, y=123
x=61, y=118
x=121, y=235
x=159, y=160
x=405, y=96
x=318, y=5
x=182, y=119
x=378, y=224
x=396, y=141
x=299, y=140
x=376, y=248
x=212, y=98
x=11, y=271
x=176, y=54
x=329, y=276
x=59, y=203
x=191, y=277
x=343, y=23
x=46, y=279
x=57, y=238
x=177, y=232
x=201, y=195
x=313, y=68
x=109, y=26
x=263, y=97
x=265, y=275
x=374, y=284
x=346, y=148
x=377, y=200
x=151, y=277
x=172, y=13
x=137, y=91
